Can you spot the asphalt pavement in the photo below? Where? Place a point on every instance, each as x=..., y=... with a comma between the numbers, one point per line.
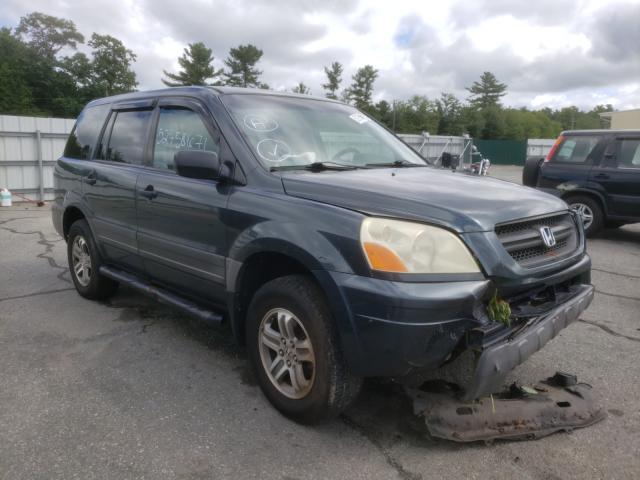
x=132, y=389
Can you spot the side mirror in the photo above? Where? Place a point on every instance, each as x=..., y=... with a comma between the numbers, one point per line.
x=197, y=164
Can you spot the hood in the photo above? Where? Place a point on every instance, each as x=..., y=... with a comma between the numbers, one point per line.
x=464, y=203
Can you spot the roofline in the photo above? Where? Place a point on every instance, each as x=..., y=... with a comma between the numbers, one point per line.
x=601, y=130
x=608, y=114
x=215, y=90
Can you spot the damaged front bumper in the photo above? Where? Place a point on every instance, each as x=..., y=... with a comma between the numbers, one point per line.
x=499, y=357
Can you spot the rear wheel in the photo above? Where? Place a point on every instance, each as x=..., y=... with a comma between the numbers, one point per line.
x=294, y=351
x=590, y=212
x=84, y=264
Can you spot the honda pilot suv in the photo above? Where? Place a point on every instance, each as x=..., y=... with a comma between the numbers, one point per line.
x=327, y=245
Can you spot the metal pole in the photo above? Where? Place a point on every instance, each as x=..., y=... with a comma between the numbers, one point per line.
x=40, y=166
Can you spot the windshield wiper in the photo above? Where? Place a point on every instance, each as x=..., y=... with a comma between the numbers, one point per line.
x=395, y=163
x=314, y=167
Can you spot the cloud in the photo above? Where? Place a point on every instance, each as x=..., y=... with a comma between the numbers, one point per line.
x=548, y=52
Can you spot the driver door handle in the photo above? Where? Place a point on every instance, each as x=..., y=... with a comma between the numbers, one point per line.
x=601, y=176
x=149, y=192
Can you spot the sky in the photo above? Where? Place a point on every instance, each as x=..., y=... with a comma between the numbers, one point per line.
x=550, y=53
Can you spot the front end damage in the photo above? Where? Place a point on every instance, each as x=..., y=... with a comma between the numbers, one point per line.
x=537, y=317
x=476, y=410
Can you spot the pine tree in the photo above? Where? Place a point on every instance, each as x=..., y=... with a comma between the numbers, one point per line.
x=487, y=92
x=242, y=67
x=361, y=90
x=334, y=78
x=197, y=69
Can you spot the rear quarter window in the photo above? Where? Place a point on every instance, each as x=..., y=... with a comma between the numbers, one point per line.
x=576, y=149
x=82, y=139
x=629, y=153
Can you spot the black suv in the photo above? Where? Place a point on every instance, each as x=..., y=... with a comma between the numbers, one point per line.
x=330, y=248
x=597, y=172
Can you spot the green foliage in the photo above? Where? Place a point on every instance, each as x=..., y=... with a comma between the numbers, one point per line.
x=487, y=92
x=301, y=88
x=361, y=90
x=418, y=114
x=197, y=69
x=334, y=78
x=499, y=310
x=111, y=65
x=48, y=35
x=242, y=71
x=449, y=110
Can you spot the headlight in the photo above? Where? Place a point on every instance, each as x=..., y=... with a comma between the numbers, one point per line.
x=408, y=247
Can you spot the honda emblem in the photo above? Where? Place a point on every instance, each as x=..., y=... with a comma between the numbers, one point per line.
x=547, y=236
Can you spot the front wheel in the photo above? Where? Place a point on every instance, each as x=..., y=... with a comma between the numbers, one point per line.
x=294, y=351
x=589, y=210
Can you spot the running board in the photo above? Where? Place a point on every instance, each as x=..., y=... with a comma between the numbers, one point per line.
x=162, y=295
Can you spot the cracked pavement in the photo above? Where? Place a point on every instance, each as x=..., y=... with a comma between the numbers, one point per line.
x=133, y=389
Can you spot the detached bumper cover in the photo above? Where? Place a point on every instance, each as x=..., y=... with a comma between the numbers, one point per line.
x=498, y=360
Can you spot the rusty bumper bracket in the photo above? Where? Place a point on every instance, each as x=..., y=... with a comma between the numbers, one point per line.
x=558, y=403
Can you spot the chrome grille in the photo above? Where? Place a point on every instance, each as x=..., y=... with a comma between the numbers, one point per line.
x=522, y=239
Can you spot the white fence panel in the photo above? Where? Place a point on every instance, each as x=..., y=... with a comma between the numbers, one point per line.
x=433, y=146
x=539, y=146
x=20, y=162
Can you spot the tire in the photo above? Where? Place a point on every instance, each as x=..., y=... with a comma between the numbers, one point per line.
x=81, y=248
x=582, y=203
x=326, y=386
x=531, y=171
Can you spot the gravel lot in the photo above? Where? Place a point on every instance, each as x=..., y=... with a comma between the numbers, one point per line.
x=132, y=389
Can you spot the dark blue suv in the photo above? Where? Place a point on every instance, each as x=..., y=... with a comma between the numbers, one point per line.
x=597, y=172
x=327, y=245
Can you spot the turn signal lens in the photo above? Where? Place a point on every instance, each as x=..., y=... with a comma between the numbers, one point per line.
x=383, y=259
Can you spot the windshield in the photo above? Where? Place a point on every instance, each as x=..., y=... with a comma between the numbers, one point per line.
x=289, y=132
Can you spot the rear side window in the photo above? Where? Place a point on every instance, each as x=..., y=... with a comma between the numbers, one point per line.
x=180, y=129
x=629, y=153
x=84, y=135
x=576, y=149
x=128, y=137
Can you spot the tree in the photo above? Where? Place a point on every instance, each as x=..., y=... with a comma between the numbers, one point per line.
x=15, y=91
x=487, y=92
x=334, y=78
x=242, y=66
x=494, y=122
x=361, y=90
x=197, y=68
x=418, y=114
x=111, y=65
x=450, y=112
x=48, y=35
x=301, y=88
x=384, y=113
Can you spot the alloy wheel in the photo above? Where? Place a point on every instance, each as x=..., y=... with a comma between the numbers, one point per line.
x=81, y=260
x=287, y=353
x=585, y=213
